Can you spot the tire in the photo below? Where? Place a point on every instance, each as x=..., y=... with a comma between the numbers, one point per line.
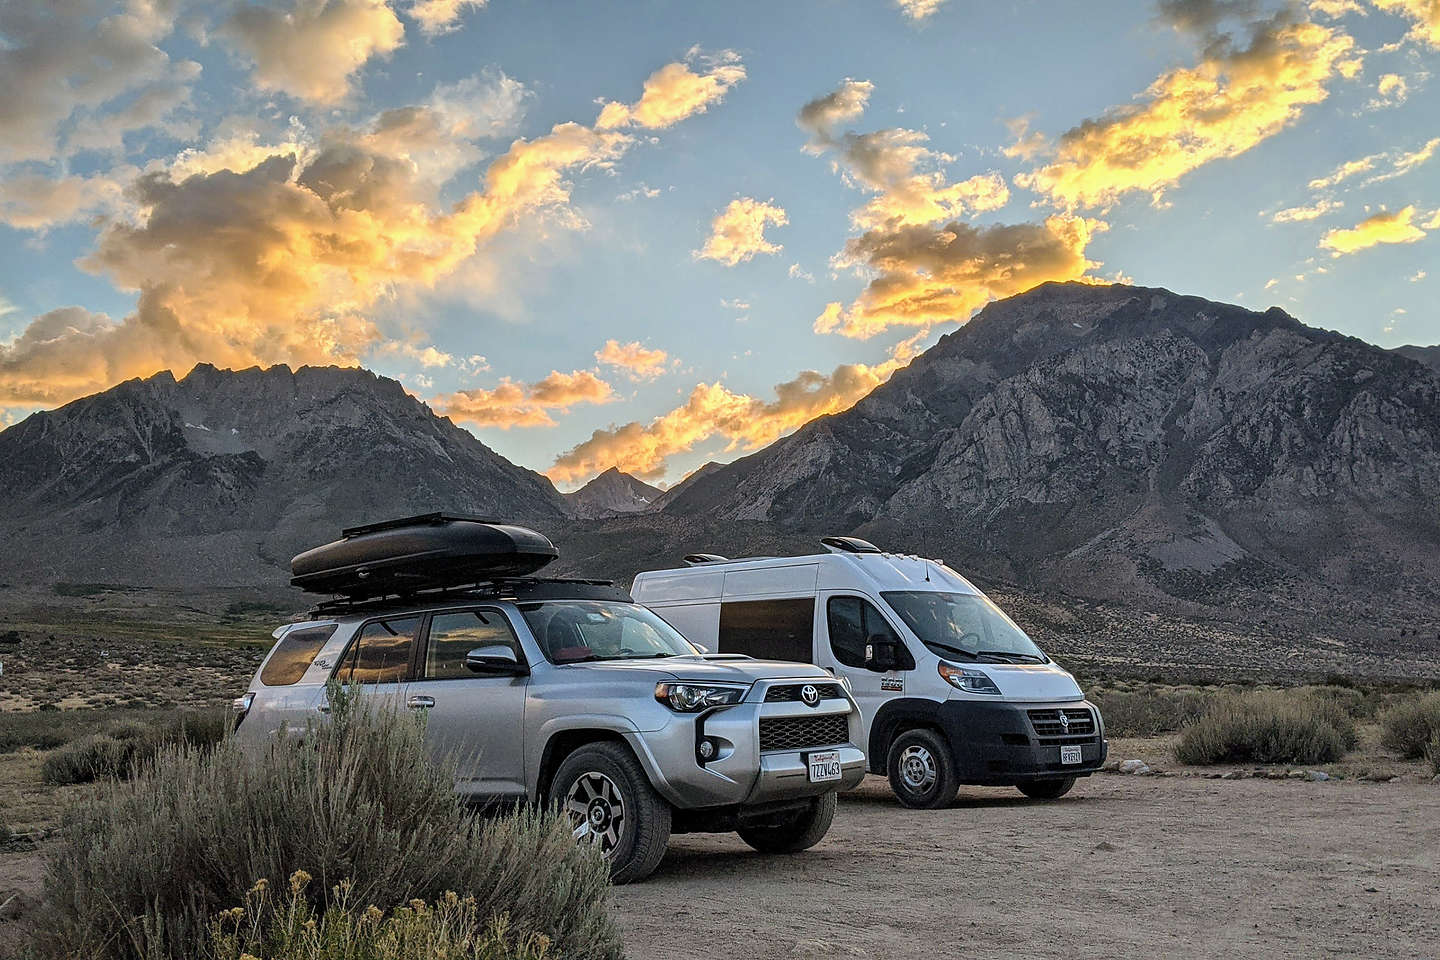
x=797, y=831
x=599, y=781
x=1047, y=789
x=922, y=771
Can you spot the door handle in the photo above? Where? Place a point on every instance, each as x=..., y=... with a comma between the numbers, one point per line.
x=322, y=708
x=420, y=703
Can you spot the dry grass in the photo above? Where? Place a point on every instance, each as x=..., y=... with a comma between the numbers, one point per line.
x=1268, y=726
x=1412, y=725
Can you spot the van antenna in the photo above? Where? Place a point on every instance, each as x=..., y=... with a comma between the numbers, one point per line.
x=927, y=571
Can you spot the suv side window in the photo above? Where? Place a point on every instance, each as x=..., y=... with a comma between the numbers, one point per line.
x=852, y=621
x=453, y=635
x=768, y=629
x=381, y=652
x=294, y=654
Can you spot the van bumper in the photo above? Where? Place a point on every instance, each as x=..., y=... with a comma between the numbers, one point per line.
x=997, y=744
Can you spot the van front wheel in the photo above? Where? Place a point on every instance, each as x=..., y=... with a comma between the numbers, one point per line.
x=922, y=772
x=795, y=831
x=1047, y=789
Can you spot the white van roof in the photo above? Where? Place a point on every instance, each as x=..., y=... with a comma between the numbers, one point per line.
x=781, y=576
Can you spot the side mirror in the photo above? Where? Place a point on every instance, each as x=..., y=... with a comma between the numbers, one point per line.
x=495, y=658
x=880, y=653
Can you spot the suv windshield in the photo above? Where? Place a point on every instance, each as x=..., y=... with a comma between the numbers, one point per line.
x=575, y=631
x=963, y=626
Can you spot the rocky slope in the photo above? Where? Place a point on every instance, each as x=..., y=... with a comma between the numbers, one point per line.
x=217, y=479
x=1126, y=443
x=612, y=493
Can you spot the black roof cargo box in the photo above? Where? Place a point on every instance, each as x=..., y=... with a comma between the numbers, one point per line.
x=433, y=550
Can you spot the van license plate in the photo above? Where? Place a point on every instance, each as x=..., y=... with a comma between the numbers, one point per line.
x=1070, y=754
x=824, y=766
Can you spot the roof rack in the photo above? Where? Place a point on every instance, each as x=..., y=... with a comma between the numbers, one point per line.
x=848, y=545
x=501, y=588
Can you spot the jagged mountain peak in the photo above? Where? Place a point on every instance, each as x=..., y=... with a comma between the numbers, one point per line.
x=611, y=493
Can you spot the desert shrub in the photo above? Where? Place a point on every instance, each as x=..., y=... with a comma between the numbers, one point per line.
x=142, y=871
x=1147, y=713
x=98, y=756
x=292, y=929
x=1411, y=724
x=118, y=753
x=1268, y=726
x=1432, y=754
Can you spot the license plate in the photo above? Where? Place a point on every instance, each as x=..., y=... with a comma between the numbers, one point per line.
x=1070, y=754
x=824, y=766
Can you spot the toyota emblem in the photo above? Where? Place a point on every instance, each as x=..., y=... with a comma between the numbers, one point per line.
x=809, y=695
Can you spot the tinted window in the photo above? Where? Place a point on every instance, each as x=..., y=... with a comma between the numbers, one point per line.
x=768, y=629
x=381, y=653
x=453, y=635
x=852, y=622
x=293, y=655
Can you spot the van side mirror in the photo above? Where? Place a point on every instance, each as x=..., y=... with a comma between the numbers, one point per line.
x=496, y=659
x=880, y=653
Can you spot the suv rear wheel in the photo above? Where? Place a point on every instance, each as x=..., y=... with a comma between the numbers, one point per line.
x=792, y=832
x=1047, y=789
x=611, y=805
x=922, y=772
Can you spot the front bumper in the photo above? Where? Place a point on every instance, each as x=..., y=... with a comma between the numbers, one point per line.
x=741, y=774
x=997, y=744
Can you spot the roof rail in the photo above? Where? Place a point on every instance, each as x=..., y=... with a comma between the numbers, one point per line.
x=697, y=559
x=508, y=588
x=848, y=545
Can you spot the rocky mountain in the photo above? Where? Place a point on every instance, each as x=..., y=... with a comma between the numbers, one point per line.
x=218, y=478
x=1430, y=356
x=612, y=493
x=1128, y=444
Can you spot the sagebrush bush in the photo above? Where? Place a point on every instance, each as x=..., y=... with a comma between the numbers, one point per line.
x=1411, y=724
x=1148, y=713
x=98, y=756
x=292, y=929
x=119, y=752
x=1268, y=726
x=1432, y=753
x=141, y=872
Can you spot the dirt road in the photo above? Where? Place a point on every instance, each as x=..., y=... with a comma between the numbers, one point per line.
x=1123, y=867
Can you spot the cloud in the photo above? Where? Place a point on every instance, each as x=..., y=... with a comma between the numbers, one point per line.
x=1391, y=91
x=639, y=362
x=1232, y=100
x=513, y=404
x=1302, y=213
x=288, y=256
x=931, y=274
x=797, y=272
x=30, y=201
x=440, y=16
x=843, y=105
x=313, y=50
x=74, y=80
x=675, y=92
x=918, y=9
x=1424, y=13
x=1203, y=17
x=712, y=410
x=1335, y=9
x=737, y=233
x=1376, y=229
x=1345, y=171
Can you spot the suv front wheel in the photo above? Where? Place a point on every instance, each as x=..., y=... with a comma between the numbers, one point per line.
x=792, y=832
x=611, y=805
x=922, y=773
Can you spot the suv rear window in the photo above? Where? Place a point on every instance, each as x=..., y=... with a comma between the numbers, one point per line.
x=293, y=655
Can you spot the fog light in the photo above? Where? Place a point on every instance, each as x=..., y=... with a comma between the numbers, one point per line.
x=707, y=749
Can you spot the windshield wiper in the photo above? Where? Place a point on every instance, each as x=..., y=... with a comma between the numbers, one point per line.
x=1023, y=657
x=946, y=646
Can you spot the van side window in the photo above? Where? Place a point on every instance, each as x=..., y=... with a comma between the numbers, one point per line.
x=768, y=629
x=294, y=654
x=453, y=635
x=381, y=653
x=852, y=622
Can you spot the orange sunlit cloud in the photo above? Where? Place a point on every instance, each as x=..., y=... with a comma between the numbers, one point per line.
x=513, y=404
x=638, y=361
x=1374, y=230
x=737, y=233
x=1425, y=15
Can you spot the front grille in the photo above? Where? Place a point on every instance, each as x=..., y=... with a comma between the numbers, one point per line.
x=1047, y=723
x=790, y=693
x=800, y=733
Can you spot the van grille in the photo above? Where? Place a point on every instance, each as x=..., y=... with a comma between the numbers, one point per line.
x=800, y=733
x=790, y=693
x=1047, y=723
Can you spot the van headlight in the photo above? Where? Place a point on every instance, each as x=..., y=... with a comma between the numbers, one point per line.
x=971, y=681
x=692, y=697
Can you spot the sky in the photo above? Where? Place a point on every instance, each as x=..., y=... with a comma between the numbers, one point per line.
x=653, y=234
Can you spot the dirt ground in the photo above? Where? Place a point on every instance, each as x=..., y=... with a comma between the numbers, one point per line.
x=1122, y=867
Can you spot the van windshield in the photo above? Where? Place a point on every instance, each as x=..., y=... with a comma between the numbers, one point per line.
x=963, y=626
x=578, y=631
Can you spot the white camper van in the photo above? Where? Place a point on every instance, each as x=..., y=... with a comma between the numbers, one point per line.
x=951, y=691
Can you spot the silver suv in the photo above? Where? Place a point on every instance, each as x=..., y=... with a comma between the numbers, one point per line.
x=567, y=692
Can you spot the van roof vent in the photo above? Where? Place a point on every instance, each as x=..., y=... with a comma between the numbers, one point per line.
x=848, y=545
x=698, y=559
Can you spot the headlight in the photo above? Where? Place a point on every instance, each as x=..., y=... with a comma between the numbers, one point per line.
x=691, y=697
x=971, y=681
